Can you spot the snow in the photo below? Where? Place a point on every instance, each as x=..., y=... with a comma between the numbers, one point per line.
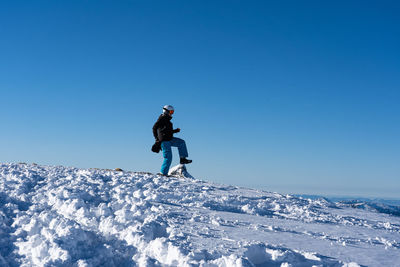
x=62, y=216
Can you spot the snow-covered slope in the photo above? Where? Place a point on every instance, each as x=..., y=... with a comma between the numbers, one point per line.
x=58, y=216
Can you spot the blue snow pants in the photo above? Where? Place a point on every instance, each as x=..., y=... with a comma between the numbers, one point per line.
x=167, y=152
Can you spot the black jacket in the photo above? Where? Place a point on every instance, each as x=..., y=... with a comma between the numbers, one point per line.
x=162, y=129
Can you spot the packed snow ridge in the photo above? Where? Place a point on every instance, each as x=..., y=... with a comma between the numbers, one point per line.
x=59, y=216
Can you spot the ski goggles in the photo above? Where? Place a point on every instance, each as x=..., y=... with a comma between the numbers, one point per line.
x=170, y=111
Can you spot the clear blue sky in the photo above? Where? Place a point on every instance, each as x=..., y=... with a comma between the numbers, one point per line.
x=290, y=96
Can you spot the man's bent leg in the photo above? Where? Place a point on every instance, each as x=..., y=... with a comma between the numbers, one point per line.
x=167, y=154
x=181, y=145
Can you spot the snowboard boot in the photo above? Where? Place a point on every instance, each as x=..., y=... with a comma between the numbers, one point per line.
x=185, y=161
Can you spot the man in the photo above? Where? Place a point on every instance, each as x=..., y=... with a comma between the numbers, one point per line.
x=164, y=134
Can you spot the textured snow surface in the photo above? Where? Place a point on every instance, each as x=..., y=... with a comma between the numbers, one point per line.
x=58, y=216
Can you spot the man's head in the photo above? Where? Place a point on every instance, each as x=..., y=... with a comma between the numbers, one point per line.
x=168, y=109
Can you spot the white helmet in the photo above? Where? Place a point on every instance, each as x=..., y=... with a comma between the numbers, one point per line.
x=168, y=109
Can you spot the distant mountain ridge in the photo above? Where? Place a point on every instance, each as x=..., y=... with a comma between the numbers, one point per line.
x=387, y=206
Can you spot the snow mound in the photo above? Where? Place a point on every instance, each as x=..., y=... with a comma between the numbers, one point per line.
x=180, y=171
x=59, y=216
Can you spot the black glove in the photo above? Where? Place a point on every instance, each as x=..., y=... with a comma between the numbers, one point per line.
x=177, y=130
x=156, y=147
